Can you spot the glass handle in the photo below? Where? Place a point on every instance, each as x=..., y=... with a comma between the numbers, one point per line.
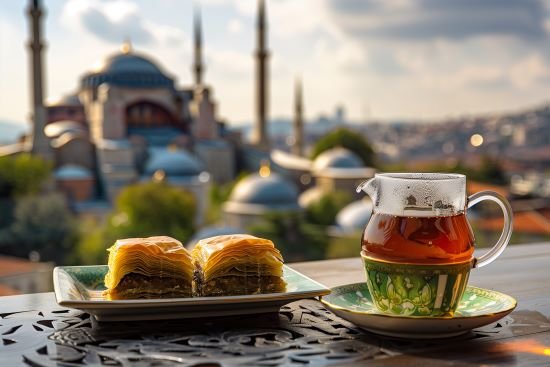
x=502, y=242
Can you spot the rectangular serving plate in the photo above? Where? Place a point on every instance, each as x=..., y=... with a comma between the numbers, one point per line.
x=82, y=287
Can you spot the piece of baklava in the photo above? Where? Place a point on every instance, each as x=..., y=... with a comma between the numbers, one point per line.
x=153, y=267
x=236, y=265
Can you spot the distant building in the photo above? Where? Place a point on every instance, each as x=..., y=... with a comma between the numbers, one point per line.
x=24, y=276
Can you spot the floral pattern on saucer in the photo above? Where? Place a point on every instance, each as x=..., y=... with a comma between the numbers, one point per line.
x=474, y=302
x=477, y=307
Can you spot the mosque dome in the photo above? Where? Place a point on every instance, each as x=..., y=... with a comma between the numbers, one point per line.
x=69, y=100
x=173, y=163
x=337, y=158
x=72, y=172
x=256, y=194
x=128, y=69
x=58, y=128
x=355, y=216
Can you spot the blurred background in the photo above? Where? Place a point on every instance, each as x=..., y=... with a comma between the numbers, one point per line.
x=124, y=118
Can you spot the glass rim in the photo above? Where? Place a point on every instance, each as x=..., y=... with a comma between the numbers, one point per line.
x=418, y=176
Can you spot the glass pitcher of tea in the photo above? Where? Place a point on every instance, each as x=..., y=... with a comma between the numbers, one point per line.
x=418, y=247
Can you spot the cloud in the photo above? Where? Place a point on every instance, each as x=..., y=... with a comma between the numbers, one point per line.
x=339, y=55
x=235, y=26
x=529, y=71
x=229, y=63
x=433, y=19
x=117, y=20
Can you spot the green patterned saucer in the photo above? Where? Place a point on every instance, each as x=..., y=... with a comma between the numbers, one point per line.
x=477, y=308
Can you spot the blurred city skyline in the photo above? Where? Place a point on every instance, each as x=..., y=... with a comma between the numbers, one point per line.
x=406, y=60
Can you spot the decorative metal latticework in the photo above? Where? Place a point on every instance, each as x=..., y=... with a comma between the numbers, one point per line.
x=302, y=333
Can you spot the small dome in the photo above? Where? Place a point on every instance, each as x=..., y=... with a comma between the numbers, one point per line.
x=59, y=128
x=355, y=216
x=65, y=101
x=256, y=194
x=173, y=163
x=69, y=137
x=130, y=70
x=337, y=158
x=270, y=190
x=72, y=172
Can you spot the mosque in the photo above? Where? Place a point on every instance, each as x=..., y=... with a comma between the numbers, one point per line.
x=129, y=122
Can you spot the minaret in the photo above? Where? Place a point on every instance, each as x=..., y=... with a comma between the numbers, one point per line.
x=298, y=147
x=260, y=137
x=40, y=143
x=198, y=66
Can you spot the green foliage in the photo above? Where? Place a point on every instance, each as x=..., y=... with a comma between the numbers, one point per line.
x=29, y=222
x=93, y=244
x=22, y=175
x=7, y=206
x=141, y=210
x=152, y=209
x=218, y=195
x=490, y=171
x=348, y=139
x=295, y=238
x=344, y=246
x=43, y=224
x=323, y=212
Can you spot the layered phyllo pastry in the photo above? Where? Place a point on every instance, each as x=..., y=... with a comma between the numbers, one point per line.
x=153, y=267
x=237, y=264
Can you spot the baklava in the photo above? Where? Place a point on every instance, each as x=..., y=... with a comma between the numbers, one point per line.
x=236, y=265
x=153, y=267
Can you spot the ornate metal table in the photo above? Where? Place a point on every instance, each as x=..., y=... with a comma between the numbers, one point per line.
x=35, y=331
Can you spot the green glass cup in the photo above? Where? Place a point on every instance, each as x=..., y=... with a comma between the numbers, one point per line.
x=416, y=289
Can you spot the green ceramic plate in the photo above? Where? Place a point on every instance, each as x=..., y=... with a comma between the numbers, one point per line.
x=81, y=287
x=477, y=308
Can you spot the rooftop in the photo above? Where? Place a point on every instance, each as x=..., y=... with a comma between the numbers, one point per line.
x=10, y=265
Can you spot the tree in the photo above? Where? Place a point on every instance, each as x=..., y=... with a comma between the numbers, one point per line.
x=141, y=210
x=296, y=239
x=93, y=243
x=323, y=212
x=22, y=175
x=43, y=224
x=348, y=139
x=154, y=208
x=219, y=194
x=491, y=171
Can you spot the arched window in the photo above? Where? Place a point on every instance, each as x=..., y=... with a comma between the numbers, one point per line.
x=148, y=114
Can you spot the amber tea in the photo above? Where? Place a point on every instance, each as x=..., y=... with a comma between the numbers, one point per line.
x=423, y=240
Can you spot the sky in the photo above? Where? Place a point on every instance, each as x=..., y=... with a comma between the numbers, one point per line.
x=380, y=59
